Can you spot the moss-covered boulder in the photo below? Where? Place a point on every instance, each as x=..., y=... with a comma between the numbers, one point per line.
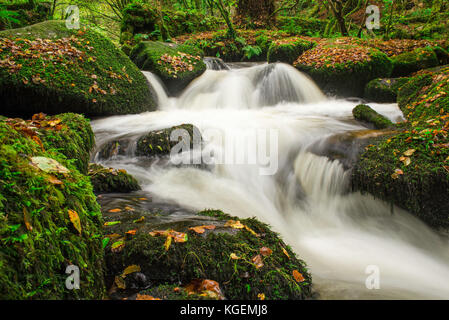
x=406, y=63
x=366, y=114
x=243, y=256
x=411, y=168
x=383, y=89
x=344, y=69
x=110, y=180
x=287, y=50
x=49, y=216
x=159, y=142
x=175, y=67
x=49, y=68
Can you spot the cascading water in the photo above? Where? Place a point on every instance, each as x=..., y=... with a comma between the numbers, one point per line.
x=338, y=233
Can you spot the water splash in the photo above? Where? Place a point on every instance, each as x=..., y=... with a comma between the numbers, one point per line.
x=337, y=232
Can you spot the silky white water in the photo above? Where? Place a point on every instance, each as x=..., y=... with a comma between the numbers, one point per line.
x=338, y=233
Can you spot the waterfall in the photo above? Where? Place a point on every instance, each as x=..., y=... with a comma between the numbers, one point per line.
x=339, y=234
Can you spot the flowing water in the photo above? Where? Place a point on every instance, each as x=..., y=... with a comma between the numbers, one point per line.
x=340, y=234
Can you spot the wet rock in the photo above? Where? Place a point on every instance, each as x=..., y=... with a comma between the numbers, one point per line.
x=112, y=149
x=109, y=180
x=159, y=142
x=287, y=50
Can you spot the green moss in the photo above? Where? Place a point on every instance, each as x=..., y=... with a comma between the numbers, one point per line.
x=25, y=14
x=419, y=184
x=406, y=63
x=89, y=76
x=344, y=69
x=384, y=89
x=174, y=67
x=287, y=50
x=108, y=180
x=37, y=237
x=208, y=256
x=366, y=114
x=158, y=143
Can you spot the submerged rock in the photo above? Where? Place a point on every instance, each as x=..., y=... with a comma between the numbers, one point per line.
x=366, y=114
x=49, y=216
x=50, y=68
x=176, y=66
x=109, y=180
x=243, y=259
x=344, y=69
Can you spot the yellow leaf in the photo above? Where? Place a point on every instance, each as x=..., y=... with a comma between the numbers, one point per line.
x=120, y=282
x=234, y=256
x=409, y=152
x=75, y=219
x=251, y=231
x=167, y=243
x=261, y=296
x=145, y=297
x=130, y=269
x=234, y=224
x=286, y=253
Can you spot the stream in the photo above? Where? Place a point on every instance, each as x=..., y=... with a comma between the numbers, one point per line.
x=300, y=191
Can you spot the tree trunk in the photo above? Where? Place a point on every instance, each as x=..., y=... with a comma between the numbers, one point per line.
x=259, y=12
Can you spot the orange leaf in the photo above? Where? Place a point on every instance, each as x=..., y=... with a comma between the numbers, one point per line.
x=257, y=260
x=201, y=229
x=286, y=253
x=54, y=180
x=115, y=210
x=131, y=232
x=75, y=219
x=145, y=297
x=234, y=224
x=26, y=218
x=298, y=276
x=265, y=251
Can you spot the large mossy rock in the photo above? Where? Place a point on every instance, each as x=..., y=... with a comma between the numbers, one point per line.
x=49, y=216
x=421, y=58
x=245, y=257
x=110, y=180
x=175, y=65
x=384, y=89
x=287, y=50
x=344, y=69
x=366, y=114
x=49, y=68
x=411, y=168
